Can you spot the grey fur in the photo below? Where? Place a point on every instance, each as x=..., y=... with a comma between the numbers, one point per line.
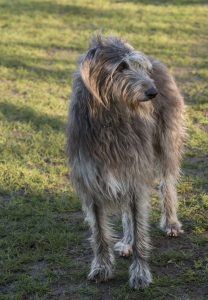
x=118, y=142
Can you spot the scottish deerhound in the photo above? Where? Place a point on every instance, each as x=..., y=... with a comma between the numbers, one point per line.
x=125, y=128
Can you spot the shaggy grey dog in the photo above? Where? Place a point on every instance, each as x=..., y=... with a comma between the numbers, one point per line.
x=125, y=128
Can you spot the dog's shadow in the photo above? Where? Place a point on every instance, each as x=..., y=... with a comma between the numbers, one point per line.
x=25, y=114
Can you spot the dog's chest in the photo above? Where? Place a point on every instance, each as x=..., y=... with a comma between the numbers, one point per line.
x=115, y=186
x=127, y=140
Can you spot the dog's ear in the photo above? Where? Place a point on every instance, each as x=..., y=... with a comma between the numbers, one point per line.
x=89, y=73
x=91, y=53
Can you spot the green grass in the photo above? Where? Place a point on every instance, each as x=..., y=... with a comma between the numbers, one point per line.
x=44, y=252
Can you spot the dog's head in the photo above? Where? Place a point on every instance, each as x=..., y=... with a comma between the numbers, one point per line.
x=113, y=71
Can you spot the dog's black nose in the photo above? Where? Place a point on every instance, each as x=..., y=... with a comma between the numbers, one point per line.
x=151, y=93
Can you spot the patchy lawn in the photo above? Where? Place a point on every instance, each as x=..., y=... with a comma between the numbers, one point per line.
x=44, y=252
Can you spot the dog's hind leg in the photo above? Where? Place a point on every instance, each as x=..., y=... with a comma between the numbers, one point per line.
x=169, y=220
x=140, y=276
x=102, y=264
x=124, y=247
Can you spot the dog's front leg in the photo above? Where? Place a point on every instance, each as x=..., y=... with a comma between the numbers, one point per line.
x=102, y=264
x=140, y=276
x=169, y=220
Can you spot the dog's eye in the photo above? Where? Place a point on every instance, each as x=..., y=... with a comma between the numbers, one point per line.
x=123, y=66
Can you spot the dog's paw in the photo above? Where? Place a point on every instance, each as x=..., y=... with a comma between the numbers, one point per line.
x=124, y=250
x=172, y=230
x=140, y=276
x=100, y=272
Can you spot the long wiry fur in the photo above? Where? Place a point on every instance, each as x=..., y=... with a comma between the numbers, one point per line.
x=117, y=143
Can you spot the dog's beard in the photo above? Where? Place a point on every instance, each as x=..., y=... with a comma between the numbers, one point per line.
x=143, y=109
x=135, y=100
